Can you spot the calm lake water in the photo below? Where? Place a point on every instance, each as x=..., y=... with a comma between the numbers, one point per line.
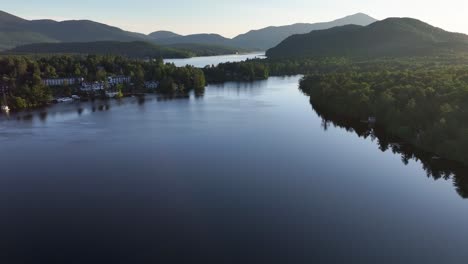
x=245, y=174
x=201, y=62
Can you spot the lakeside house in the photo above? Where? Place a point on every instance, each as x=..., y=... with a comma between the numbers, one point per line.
x=120, y=79
x=92, y=87
x=62, y=81
x=111, y=80
x=152, y=85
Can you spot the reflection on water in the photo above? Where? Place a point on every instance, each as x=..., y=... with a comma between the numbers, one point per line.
x=246, y=170
x=434, y=166
x=64, y=111
x=43, y=116
x=80, y=110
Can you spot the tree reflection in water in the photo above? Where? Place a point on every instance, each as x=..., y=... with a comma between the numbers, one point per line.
x=434, y=166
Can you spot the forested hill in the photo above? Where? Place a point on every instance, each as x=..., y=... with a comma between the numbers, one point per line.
x=163, y=34
x=15, y=31
x=261, y=39
x=205, y=39
x=135, y=49
x=389, y=37
x=269, y=37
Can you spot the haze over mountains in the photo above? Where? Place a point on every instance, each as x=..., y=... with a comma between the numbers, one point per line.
x=355, y=35
x=264, y=38
x=16, y=31
x=389, y=37
x=271, y=36
x=162, y=34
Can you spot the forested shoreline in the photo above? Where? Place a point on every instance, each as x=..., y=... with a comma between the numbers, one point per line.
x=427, y=107
x=434, y=167
x=21, y=76
x=422, y=100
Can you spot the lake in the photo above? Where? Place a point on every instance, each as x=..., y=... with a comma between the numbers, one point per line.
x=247, y=173
x=201, y=62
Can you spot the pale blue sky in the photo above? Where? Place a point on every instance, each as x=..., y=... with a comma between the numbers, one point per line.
x=234, y=17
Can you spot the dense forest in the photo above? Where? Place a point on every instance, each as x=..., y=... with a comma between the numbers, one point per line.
x=261, y=69
x=436, y=168
x=23, y=75
x=422, y=100
x=136, y=49
x=426, y=106
x=392, y=37
x=201, y=50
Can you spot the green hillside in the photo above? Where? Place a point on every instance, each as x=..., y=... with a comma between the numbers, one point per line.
x=390, y=37
x=13, y=39
x=15, y=31
x=204, y=49
x=265, y=38
x=135, y=49
x=163, y=34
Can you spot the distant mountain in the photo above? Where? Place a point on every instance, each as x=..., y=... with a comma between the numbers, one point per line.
x=158, y=35
x=9, y=20
x=390, y=37
x=137, y=49
x=207, y=39
x=261, y=39
x=16, y=31
x=269, y=37
x=82, y=31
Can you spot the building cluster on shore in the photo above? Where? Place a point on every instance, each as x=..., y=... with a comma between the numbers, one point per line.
x=62, y=81
x=109, y=86
x=87, y=86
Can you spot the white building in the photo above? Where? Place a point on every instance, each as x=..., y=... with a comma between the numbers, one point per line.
x=114, y=80
x=61, y=81
x=152, y=85
x=92, y=87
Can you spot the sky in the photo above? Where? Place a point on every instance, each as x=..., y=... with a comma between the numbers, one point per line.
x=230, y=18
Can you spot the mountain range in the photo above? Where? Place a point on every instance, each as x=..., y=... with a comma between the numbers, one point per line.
x=16, y=31
x=269, y=37
x=389, y=37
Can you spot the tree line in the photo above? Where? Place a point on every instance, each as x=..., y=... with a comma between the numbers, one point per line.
x=423, y=100
x=426, y=106
x=435, y=168
x=23, y=75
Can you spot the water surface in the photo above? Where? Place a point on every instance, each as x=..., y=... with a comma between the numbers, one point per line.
x=245, y=174
x=201, y=62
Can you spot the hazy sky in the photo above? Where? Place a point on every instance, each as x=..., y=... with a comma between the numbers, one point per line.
x=234, y=17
